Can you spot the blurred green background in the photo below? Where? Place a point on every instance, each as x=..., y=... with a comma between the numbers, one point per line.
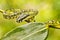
x=48, y=10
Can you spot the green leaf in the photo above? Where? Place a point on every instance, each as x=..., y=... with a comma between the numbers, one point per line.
x=30, y=31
